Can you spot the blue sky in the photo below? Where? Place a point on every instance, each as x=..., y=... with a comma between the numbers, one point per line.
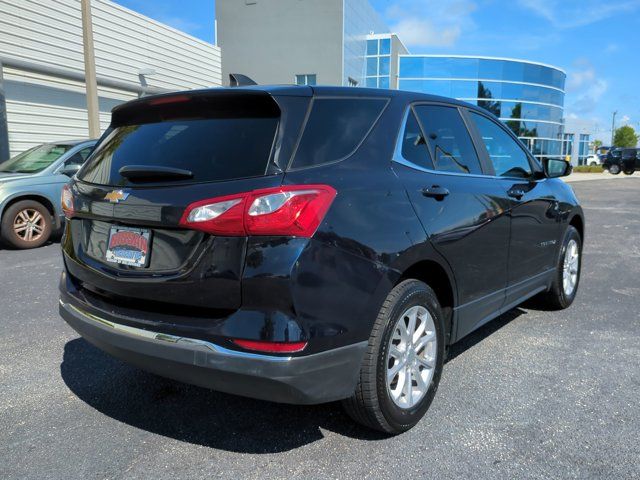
x=597, y=42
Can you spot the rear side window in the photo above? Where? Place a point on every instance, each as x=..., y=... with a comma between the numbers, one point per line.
x=448, y=139
x=414, y=147
x=335, y=128
x=507, y=157
x=225, y=147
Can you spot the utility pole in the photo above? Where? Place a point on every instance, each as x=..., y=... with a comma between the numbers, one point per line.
x=613, y=126
x=90, y=70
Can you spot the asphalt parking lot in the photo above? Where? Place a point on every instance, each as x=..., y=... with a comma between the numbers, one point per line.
x=533, y=394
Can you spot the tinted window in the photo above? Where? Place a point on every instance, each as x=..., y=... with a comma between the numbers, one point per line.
x=78, y=158
x=507, y=157
x=212, y=149
x=448, y=139
x=413, y=145
x=335, y=128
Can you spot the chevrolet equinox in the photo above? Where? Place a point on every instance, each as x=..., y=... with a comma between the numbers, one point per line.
x=311, y=244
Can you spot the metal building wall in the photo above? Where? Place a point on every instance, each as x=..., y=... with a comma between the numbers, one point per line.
x=45, y=107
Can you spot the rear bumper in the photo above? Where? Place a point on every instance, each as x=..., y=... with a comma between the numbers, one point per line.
x=317, y=378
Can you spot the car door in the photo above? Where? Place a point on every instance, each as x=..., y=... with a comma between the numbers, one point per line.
x=533, y=208
x=461, y=209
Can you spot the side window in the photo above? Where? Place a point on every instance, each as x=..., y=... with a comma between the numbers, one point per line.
x=335, y=128
x=413, y=145
x=78, y=158
x=448, y=139
x=508, y=158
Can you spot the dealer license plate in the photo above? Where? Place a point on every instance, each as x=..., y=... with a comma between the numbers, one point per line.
x=128, y=246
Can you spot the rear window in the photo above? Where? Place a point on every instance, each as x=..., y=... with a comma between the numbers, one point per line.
x=335, y=128
x=229, y=146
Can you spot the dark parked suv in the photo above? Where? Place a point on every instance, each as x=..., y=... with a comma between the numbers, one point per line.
x=306, y=245
x=625, y=160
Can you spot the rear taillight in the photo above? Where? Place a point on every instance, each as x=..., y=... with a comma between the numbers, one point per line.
x=289, y=210
x=66, y=200
x=271, y=347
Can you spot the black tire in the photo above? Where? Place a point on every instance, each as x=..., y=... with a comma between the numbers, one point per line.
x=629, y=172
x=614, y=169
x=10, y=216
x=593, y=164
x=371, y=404
x=556, y=298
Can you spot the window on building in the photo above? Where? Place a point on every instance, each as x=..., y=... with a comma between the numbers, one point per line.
x=335, y=128
x=507, y=157
x=448, y=139
x=385, y=46
x=306, y=79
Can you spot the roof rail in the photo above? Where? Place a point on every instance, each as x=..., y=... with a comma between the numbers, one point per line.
x=239, y=80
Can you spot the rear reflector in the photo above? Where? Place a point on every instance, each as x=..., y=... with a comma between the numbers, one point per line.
x=66, y=199
x=271, y=347
x=292, y=210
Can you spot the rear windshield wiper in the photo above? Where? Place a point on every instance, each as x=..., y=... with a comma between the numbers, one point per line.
x=153, y=172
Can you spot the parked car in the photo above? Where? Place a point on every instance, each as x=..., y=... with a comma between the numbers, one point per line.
x=593, y=160
x=625, y=160
x=311, y=244
x=30, y=188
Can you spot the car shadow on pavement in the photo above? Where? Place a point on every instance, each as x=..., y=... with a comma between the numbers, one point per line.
x=483, y=332
x=209, y=418
x=197, y=415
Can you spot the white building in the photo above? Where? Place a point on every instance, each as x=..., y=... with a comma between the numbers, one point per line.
x=42, y=92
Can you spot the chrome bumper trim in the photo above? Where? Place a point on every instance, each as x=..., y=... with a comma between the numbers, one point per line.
x=167, y=338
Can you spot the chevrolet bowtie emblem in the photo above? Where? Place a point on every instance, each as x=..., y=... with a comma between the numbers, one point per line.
x=116, y=196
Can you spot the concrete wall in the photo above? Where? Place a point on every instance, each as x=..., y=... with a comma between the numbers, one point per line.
x=273, y=40
x=43, y=107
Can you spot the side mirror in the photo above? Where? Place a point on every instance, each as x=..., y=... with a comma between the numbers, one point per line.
x=70, y=170
x=555, y=168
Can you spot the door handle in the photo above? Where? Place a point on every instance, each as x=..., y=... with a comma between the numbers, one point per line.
x=516, y=193
x=435, y=191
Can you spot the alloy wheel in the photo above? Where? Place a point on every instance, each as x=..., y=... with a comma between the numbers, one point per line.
x=29, y=225
x=411, y=358
x=570, y=268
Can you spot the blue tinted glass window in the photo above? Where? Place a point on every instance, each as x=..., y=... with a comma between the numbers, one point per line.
x=372, y=66
x=301, y=79
x=384, y=66
x=372, y=82
x=489, y=89
x=434, y=87
x=463, y=89
x=383, y=82
x=385, y=46
x=311, y=79
x=490, y=69
x=372, y=47
x=448, y=139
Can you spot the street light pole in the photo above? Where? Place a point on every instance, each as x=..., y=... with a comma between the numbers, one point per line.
x=91, y=84
x=613, y=126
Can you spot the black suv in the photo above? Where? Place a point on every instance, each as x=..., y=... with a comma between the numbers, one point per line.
x=625, y=160
x=305, y=245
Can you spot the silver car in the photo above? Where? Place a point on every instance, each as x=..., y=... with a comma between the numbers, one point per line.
x=30, y=188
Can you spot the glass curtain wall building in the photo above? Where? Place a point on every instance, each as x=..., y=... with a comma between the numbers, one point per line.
x=527, y=96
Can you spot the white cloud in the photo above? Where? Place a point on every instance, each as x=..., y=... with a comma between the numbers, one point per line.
x=625, y=120
x=565, y=14
x=431, y=23
x=585, y=86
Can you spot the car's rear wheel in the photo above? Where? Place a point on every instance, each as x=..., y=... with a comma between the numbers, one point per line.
x=629, y=172
x=593, y=164
x=614, y=169
x=26, y=224
x=567, y=275
x=402, y=366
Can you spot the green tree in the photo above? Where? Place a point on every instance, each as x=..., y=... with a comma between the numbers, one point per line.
x=597, y=144
x=625, y=137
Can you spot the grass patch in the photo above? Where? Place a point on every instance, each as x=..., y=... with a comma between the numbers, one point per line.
x=588, y=169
